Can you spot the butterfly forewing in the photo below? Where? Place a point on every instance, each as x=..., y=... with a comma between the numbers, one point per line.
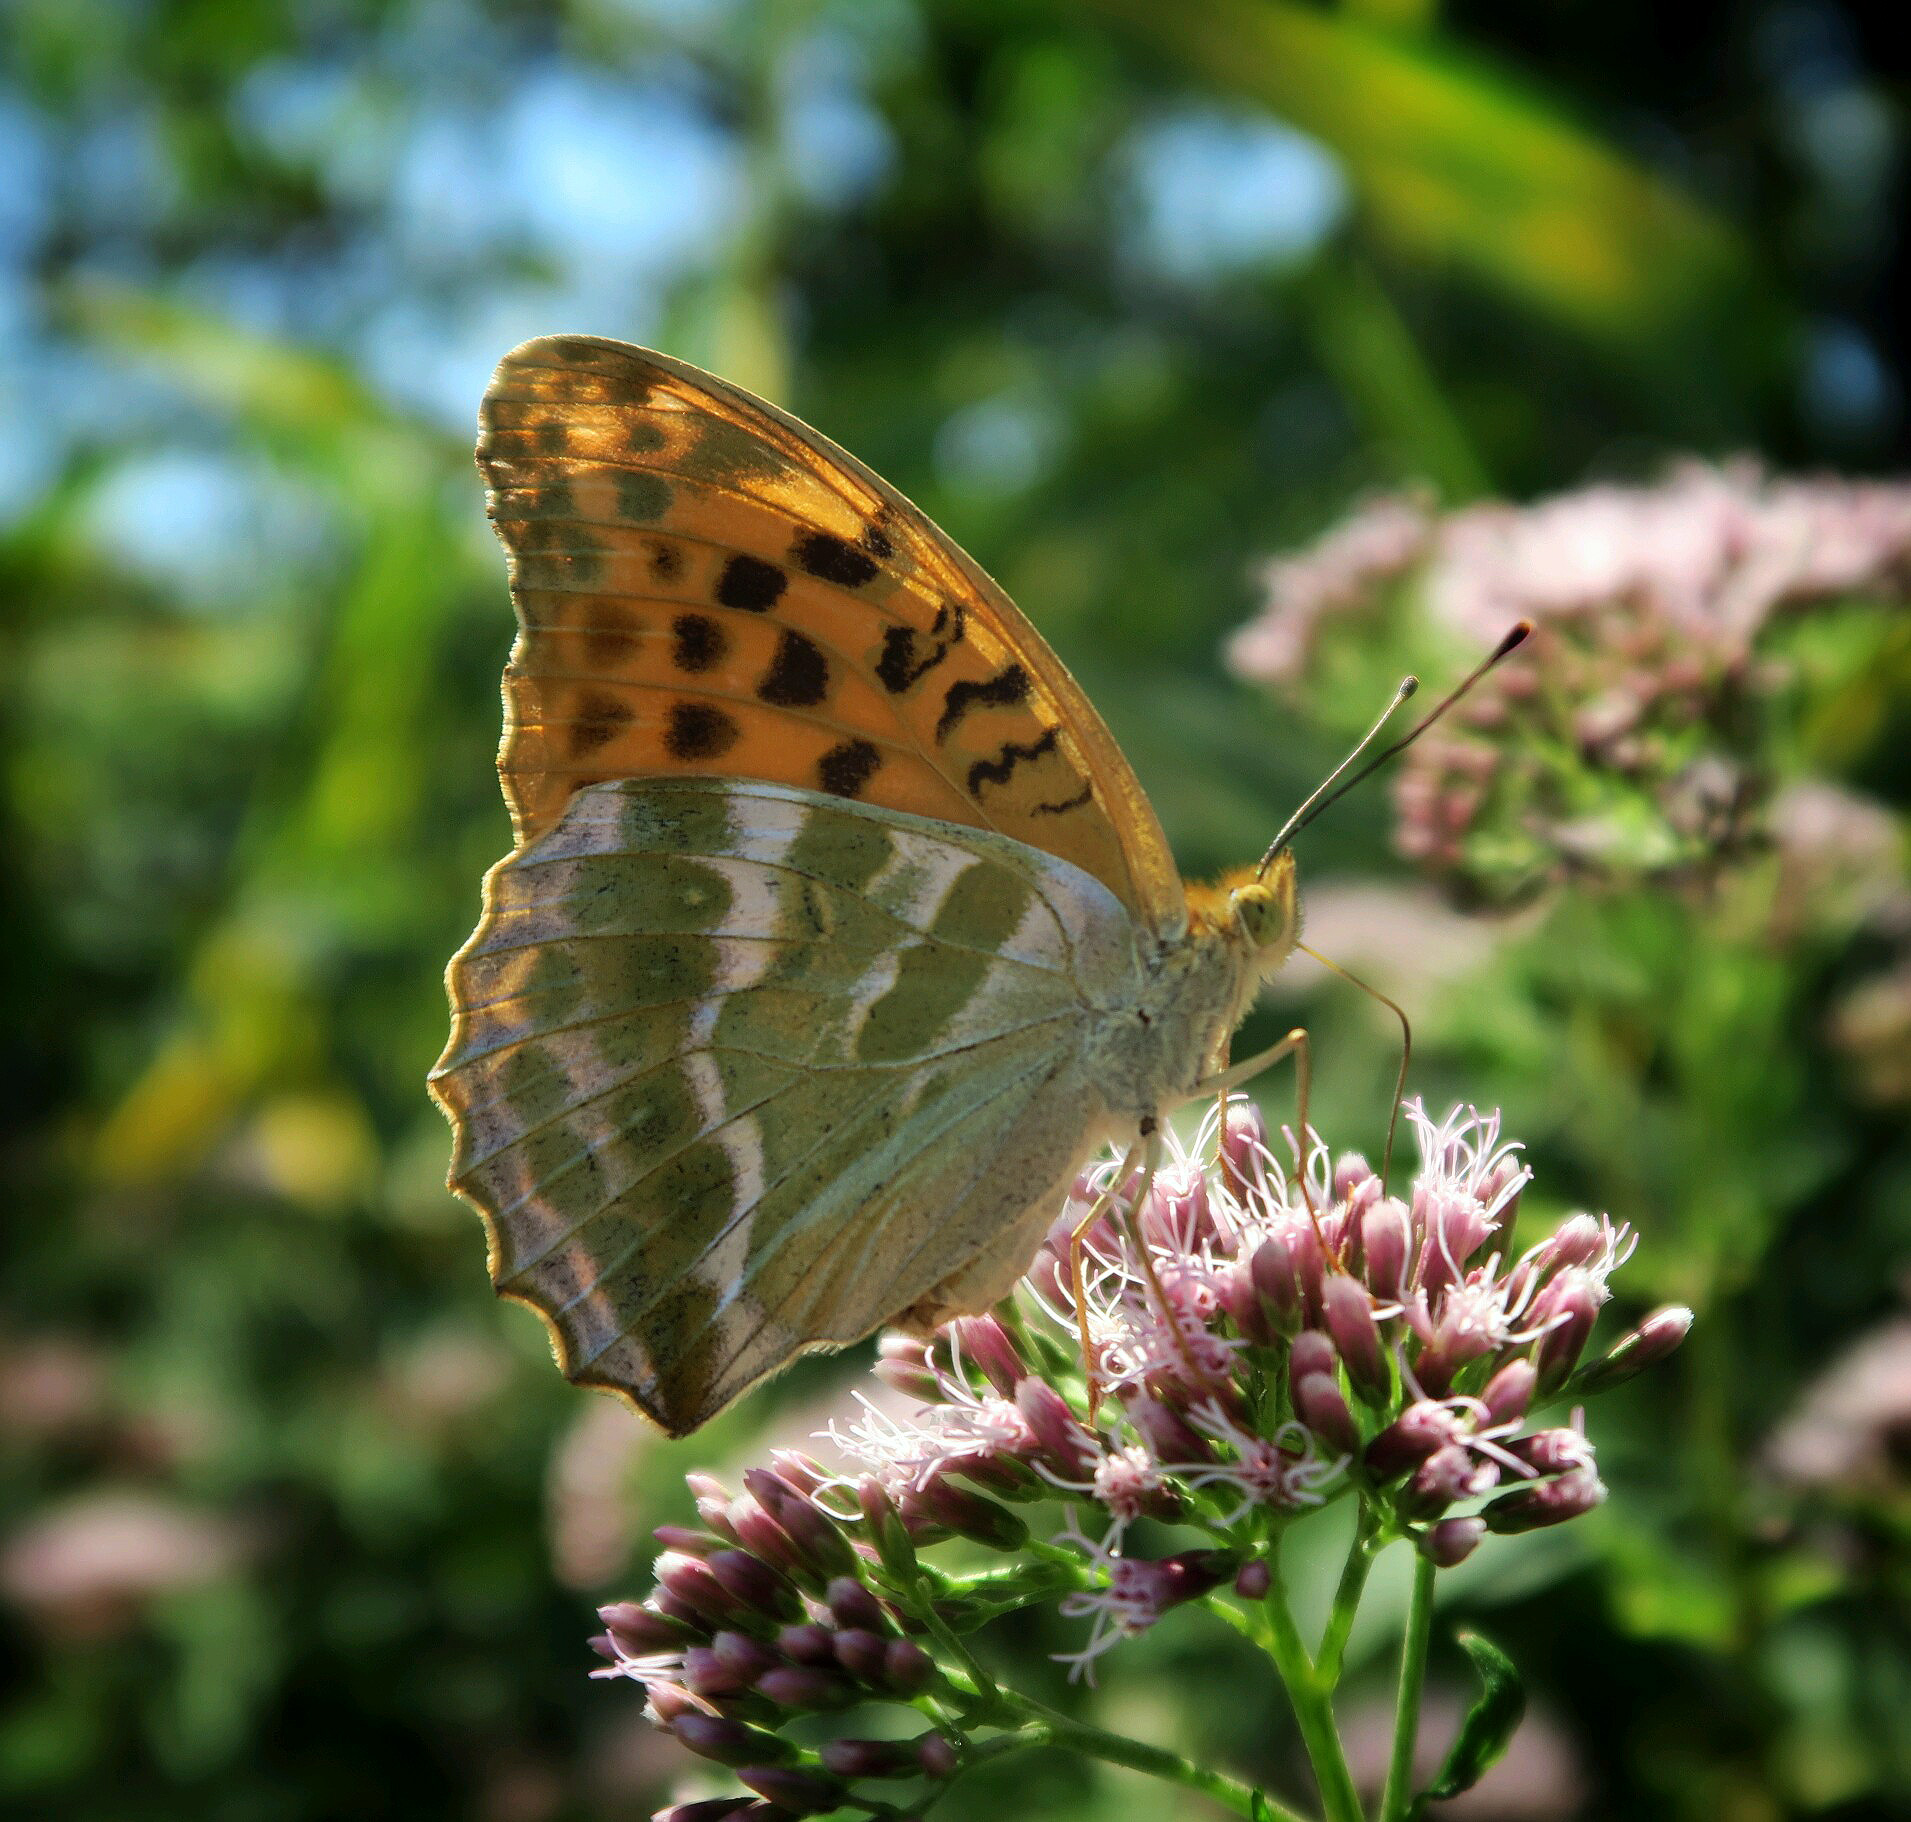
x=738, y=1070
x=706, y=586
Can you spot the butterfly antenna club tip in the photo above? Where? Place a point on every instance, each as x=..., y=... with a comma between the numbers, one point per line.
x=1331, y=790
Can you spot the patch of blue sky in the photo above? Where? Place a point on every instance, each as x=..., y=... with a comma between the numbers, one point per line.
x=203, y=526
x=836, y=147
x=1216, y=192
x=612, y=189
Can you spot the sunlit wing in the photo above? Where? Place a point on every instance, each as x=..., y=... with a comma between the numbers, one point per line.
x=705, y=585
x=739, y=1070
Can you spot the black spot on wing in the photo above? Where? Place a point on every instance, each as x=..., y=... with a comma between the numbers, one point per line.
x=698, y=643
x=599, y=720
x=666, y=559
x=845, y=769
x=876, y=540
x=610, y=637
x=698, y=730
x=798, y=676
x=832, y=559
x=641, y=497
x=1085, y=795
x=1013, y=753
x=1009, y=686
x=908, y=654
x=751, y=584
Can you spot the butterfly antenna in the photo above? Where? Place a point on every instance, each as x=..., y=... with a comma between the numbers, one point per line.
x=1326, y=795
x=1300, y=817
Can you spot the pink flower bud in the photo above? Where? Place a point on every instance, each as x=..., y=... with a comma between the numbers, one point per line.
x=666, y=1603
x=986, y=1342
x=792, y=1789
x=808, y=1643
x=870, y=1758
x=1507, y=1394
x=1449, y=1473
x=803, y=1472
x=806, y=1686
x=666, y=1701
x=752, y=1583
x=1065, y=1442
x=860, y=1652
x=1349, y=1313
x=1455, y=1226
x=1277, y=1278
x=817, y=1541
x=1453, y=1540
x=637, y=1632
x=688, y=1578
x=1253, y=1579
x=1579, y=1241
x=937, y=1755
x=1319, y=1404
x=903, y=1362
x=1645, y=1346
x=1238, y=1295
x=1546, y=1502
x=851, y=1604
x=1411, y=1437
x=706, y=1674
x=686, y=1539
x=1048, y=1277
x=1556, y=1451
x=1312, y=1352
x=1168, y=1436
x=956, y=1509
x=907, y=1668
x=728, y=1742
x=1349, y=1174
x=1176, y=1218
x=1386, y=1240
x=884, y=1528
x=1243, y=1145
x=1569, y=1305
x=745, y=1657
x=760, y=1534
x=713, y=1500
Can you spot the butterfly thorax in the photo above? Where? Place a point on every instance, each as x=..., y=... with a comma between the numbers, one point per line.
x=1196, y=989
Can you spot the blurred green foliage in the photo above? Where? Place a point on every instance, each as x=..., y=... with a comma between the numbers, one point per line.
x=295, y=1522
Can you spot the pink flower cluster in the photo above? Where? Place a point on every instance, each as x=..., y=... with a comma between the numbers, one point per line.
x=1708, y=554
x=1261, y=1339
x=1614, y=739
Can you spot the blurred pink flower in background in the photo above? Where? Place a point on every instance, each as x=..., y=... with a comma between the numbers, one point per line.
x=86, y=1566
x=1851, y=1428
x=1623, y=739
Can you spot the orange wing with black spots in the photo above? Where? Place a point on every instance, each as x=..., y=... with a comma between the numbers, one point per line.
x=705, y=585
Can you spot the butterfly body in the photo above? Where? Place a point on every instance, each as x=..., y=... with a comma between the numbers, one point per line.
x=837, y=935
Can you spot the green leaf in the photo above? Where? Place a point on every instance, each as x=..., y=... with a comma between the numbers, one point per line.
x=1488, y=1728
x=1460, y=162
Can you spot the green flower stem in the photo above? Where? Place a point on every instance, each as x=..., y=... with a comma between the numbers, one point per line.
x=1413, y=1676
x=1058, y=1729
x=1313, y=1705
x=1340, y=1622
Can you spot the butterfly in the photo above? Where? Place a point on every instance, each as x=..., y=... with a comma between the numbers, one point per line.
x=837, y=933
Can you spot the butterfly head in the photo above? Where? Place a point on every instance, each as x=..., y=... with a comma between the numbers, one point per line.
x=1256, y=910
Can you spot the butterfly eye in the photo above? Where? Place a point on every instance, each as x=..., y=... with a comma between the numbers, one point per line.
x=1267, y=910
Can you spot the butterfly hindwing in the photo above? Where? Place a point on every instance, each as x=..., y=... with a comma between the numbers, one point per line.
x=739, y=1069
x=706, y=586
